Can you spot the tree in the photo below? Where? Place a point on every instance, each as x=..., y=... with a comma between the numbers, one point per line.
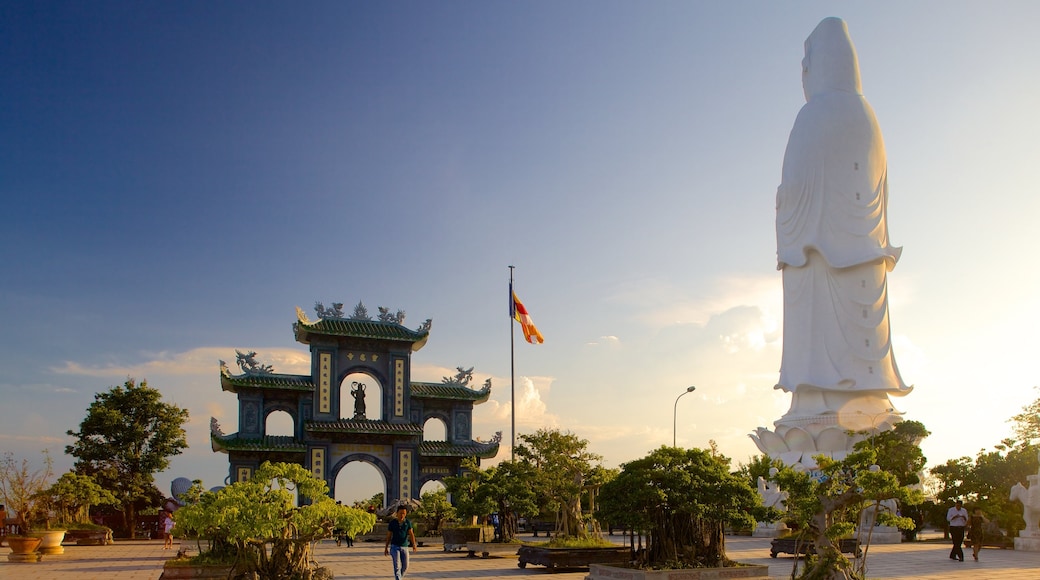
x=986, y=481
x=507, y=487
x=757, y=466
x=898, y=450
x=258, y=523
x=463, y=489
x=561, y=464
x=435, y=509
x=73, y=495
x=827, y=504
x=128, y=435
x=683, y=498
x=372, y=504
x=21, y=487
x=1027, y=423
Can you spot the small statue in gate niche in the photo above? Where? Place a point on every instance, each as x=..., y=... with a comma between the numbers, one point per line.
x=357, y=390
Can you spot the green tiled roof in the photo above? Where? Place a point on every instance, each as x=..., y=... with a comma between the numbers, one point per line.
x=363, y=427
x=282, y=443
x=372, y=329
x=449, y=391
x=469, y=449
x=233, y=383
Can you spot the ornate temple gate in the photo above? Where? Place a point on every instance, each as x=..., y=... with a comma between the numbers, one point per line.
x=323, y=441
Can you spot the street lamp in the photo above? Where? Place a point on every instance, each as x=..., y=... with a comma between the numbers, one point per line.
x=675, y=409
x=874, y=424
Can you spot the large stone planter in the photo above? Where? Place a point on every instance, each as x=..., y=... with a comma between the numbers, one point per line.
x=455, y=539
x=486, y=549
x=553, y=558
x=51, y=541
x=604, y=572
x=790, y=545
x=89, y=537
x=194, y=571
x=24, y=548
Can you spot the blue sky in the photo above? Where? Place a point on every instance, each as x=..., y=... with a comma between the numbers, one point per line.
x=177, y=177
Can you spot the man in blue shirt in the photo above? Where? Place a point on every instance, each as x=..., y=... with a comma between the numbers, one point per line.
x=399, y=537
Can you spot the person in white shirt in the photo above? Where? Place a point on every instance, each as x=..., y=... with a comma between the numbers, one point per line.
x=958, y=518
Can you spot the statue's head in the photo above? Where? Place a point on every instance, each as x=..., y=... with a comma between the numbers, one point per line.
x=830, y=62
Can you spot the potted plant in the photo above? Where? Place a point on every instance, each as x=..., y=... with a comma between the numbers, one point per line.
x=469, y=508
x=684, y=498
x=21, y=490
x=71, y=498
x=256, y=528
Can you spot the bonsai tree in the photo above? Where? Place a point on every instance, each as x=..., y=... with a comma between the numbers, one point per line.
x=827, y=504
x=435, y=509
x=561, y=465
x=463, y=489
x=21, y=488
x=507, y=486
x=682, y=498
x=73, y=495
x=257, y=524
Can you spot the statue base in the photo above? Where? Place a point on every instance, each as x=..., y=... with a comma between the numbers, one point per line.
x=882, y=535
x=769, y=530
x=1029, y=544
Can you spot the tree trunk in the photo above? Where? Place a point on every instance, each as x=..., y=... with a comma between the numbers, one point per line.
x=507, y=522
x=680, y=538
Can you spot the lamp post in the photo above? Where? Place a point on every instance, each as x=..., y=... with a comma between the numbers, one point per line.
x=675, y=409
x=874, y=423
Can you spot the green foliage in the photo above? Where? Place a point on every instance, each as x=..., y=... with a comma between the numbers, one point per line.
x=21, y=488
x=827, y=505
x=1027, y=423
x=506, y=488
x=258, y=522
x=435, y=509
x=683, y=498
x=463, y=489
x=371, y=504
x=898, y=450
x=572, y=542
x=561, y=465
x=757, y=466
x=129, y=434
x=986, y=482
x=73, y=495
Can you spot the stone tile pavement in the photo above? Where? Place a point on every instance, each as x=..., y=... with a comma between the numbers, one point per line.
x=143, y=560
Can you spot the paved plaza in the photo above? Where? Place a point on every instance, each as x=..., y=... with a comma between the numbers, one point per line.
x=143, y=560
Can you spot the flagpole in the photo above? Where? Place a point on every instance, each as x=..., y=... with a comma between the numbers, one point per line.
x=512, y=372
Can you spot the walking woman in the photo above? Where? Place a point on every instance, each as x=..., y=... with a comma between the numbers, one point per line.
x=977, y=531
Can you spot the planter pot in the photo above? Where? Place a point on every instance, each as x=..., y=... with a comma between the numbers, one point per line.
x=456, y=538
x=51, y=541
x=791, y=545
x=486, y=549
x=24, y=548
x=604, y=572
x=198, y=571
x=553, y=558
x=89, y=537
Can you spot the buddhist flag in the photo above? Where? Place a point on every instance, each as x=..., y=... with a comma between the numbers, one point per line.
x=518, y=312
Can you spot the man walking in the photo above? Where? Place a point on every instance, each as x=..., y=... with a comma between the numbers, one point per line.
x=399, y=537
x=958, y=518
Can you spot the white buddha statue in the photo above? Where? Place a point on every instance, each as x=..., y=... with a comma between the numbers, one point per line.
x=834, y=253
